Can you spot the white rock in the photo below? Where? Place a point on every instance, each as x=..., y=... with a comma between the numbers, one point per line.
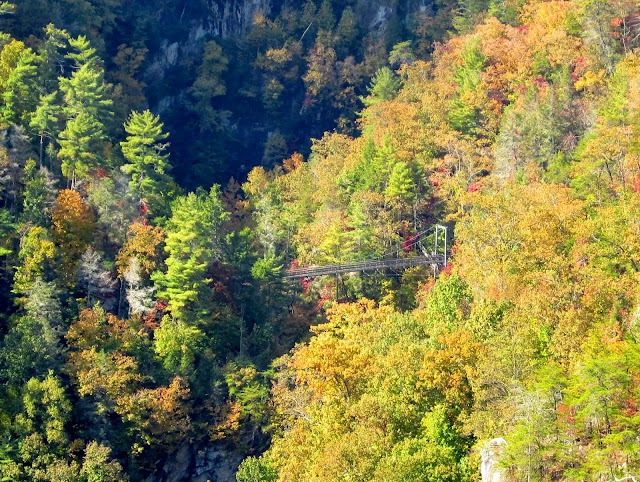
x=171, y=54
x=490, y=453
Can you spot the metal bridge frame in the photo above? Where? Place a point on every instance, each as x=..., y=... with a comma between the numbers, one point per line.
x=441, y=229
x=435, y=259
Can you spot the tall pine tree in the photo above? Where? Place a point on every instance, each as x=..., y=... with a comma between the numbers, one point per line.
x=147, y=161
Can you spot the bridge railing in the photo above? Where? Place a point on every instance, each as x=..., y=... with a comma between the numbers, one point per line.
x=361, y=266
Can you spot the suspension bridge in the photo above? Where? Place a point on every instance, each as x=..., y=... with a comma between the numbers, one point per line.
x=391, y=260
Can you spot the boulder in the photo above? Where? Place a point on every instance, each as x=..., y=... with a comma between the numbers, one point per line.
x=490, y=452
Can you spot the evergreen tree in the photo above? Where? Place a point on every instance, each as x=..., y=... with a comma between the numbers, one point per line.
x=32, y=347
x=192, y=245
x=208, y=86
x=463, y=114
x=384, y=86
x=7, y=232
x=7, y=8
x=19, y=90
x=359, y=238
x=86, y=91
x=380, y=168
x=597, y=18
x=83, y=54
x=52, y=62
x=325, y=19
x=401, y=54
x=269, y=300
x=148, y=165
x=81, y=144
x=275, y=150
x=307, y=18
x=347, y=33
x=88, y=113
x=468, y=14
x=401, y=185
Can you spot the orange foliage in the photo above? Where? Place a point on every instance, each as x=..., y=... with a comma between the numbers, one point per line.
x=143, y=242
x=73, y=226
x=162, y=414
x=450, y=367
x=292, y=163
x=548, y=33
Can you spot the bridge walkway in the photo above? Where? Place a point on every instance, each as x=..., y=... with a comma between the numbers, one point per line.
x=437, y=258
x=361, y=266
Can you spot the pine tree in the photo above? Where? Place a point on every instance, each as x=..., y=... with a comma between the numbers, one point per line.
x=401, y=54
x=19, y=89
x=468, y=14
x=192, y=244
x=148, y=165
x=597, y=20
x=7, y=232
x=401, y=186
x=32, y=346
x=378, y=171
x=85, y=91
x=84, y=54
x=7, y=8
x=325, y=19
x=347, y=32
x=463, y=115
x=384, y=86
x=209, y=85
x=52, y=61
x=80, y=147
x=88, y=112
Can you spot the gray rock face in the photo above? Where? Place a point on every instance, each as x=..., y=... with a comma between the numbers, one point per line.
x=490, y=453
x=189, y=464
x=229, y=18
x=232, y=17
x=224, y=18
x=376, y=13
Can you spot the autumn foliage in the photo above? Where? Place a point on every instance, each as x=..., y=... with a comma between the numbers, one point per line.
x=147, y=325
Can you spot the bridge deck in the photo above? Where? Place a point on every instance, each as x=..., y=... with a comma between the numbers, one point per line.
x=371, y=265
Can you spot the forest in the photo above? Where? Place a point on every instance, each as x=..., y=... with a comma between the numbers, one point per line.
x=158, y=178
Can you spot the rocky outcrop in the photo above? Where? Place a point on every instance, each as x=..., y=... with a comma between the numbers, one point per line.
x=233, y=17
x=375, y=14
x=229, y=18
x=188, y=463
x=490, y=452
x=221, y=19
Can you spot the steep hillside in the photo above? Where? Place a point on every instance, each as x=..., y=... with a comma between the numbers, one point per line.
x=239, y=82
x=147, y=329
x=524, y=354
